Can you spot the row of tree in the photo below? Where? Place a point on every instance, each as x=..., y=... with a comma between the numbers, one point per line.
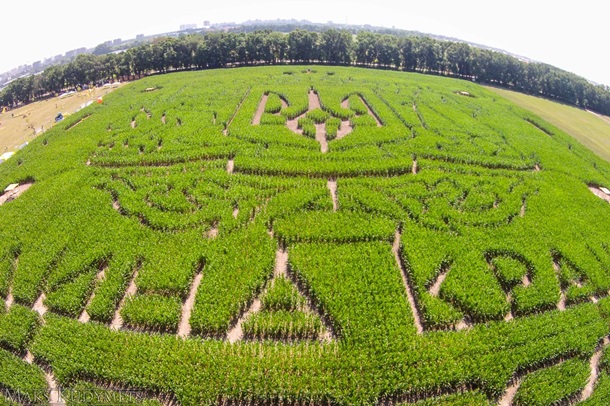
x=409, y=53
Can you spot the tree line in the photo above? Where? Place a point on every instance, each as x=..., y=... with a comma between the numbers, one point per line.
x=338, y=47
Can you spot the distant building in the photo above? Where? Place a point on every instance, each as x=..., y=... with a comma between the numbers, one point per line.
x=75, y=52
x=185, y=27
x=140, y=36
x=116, y=41
x=206, y=24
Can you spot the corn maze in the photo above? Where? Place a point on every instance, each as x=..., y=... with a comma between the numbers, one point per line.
x=306, y=237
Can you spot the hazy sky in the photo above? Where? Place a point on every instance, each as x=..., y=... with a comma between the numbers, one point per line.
x=569, y=35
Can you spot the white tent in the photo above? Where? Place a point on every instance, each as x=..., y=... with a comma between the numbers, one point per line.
x=6, y=155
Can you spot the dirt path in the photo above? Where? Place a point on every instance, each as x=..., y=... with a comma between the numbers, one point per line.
x=522, y=212
x=314, y=103
x=54, y=392
x=332, y=187
x=536, y=168
x=596, y=191
x=39, y=306
x=280, y=270
x=371, y=113
x=9, y=298
x=29, y=357
x=241, y=102
x=260, y=110
x=509, y=394
x=237, y=333
x=345, y=129
x=116, y=205
x=594, y=364
x=15, y=193
x=526, y=281
x=321, y=137
x=419, y=116
x=117, y=321
x=405, y=279
x=293, y=125
x=230, y=166
x=414, y=168
x=281, y=264
x=84, y=316
x=436, y=286
x=509, y=315
x=561, y=305
x=184, y=329
x=78, y=122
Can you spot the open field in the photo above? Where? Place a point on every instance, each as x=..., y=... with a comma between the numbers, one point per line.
x=591, y=129
x=327, y=236
x=23, y=124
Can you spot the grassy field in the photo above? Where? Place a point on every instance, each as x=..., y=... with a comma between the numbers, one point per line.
x=324, y=236
x=23, y=124
x=590, y=129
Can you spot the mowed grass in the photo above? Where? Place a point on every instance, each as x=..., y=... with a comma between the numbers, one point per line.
x=23, y=124
x=591, y=129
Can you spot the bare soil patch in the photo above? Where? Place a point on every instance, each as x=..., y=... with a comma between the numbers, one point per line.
x=414, y=168
x=212, y=232
x=184, y=329
x=464, y=324
x=23, y=124
x=14, y=193
x=596, y=191
x=29, y=357
x=39, y=306
x=230, y=166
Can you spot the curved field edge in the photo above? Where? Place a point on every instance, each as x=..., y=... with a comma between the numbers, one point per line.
x=146, y=215
x=589, y=128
